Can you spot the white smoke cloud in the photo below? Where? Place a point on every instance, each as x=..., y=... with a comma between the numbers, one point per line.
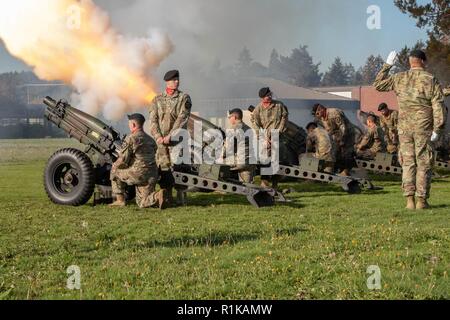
x=73, y=41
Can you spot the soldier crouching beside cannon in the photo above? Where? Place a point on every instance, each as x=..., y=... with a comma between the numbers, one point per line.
x=136, y=166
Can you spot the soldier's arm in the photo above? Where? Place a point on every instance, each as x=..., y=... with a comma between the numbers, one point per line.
x=395, y=129
x=383, y=81
x=155, y=129
x=439, y=111
x=284, y=119
x=341, y=128
x=256, y=120
x=365, y=142
x=125, y=153
x=386, y=131
x=310, y=143
x=183, y=116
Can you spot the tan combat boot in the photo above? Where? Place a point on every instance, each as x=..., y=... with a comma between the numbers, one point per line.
x=422, y=204
x=411, y=203
x=162, y=199
x=119, y=203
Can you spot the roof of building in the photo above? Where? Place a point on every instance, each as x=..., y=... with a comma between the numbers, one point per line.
x=288, y=91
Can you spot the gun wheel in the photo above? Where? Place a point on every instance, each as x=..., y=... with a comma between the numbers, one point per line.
x=69, y=178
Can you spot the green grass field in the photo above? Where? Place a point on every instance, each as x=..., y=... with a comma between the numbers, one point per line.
x=219, y=247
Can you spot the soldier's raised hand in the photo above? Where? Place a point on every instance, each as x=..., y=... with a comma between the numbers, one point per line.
x=392, y=58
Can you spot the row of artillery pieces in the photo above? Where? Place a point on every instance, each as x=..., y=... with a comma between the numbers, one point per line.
x=73, y=177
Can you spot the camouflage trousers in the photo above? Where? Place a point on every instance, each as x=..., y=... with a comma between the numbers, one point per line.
x=164, y=156
x=145, y=183
x=366, y=154
x=417, y=160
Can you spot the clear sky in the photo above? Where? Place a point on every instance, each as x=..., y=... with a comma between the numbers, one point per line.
x=205, y=30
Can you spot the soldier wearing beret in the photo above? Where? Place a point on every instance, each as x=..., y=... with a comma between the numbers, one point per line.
x=169, y=112
x=389, y=124
x=421, y=119
x=271, y=115
x=342, y=133
x=136, y=166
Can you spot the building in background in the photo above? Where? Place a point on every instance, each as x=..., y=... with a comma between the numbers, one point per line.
x=23, y=117
x=368, y=97
x=243, y=93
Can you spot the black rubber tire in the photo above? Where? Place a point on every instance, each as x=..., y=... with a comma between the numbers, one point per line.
x=83, y=177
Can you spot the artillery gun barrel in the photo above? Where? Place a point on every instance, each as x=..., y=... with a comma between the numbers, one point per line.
x=83, y=127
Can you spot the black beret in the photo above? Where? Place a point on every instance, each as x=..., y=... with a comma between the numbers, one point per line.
x=171, y=75
x=264, y=92
x=234, y=111
x=418, y=54
x=382, y=107
x=137, y=117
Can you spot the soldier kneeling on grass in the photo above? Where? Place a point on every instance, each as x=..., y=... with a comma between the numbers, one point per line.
x=372, y=142
x=136, y=166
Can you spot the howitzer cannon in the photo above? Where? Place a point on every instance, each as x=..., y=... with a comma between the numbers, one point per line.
x=388, y=163
x=306, y=167
x=71, y=176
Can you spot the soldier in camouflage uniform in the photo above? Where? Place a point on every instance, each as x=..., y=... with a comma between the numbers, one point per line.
x=389, y=124
x=169, y=112
x=271, y=115
x=420, y=122
x=320, y=143
x=373, y=141
x=241, y=150
x=136, y=166
x=342, y=133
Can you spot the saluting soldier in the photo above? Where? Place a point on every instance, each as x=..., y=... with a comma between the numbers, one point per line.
x=372, y=142
x=342, y=133
x=136, y=166
x=319, y=142
x=421, y=120
x=169, y=112
x=271, y=115
x=389, y=123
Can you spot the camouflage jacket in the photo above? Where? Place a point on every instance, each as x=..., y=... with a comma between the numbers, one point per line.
x=373, y=140
x=274, y=117
x=240, y=149
x=320, y=142
x=420, y=99
x=339, y=127
x=390, y=127
x=169, y=113
x=138, y=151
